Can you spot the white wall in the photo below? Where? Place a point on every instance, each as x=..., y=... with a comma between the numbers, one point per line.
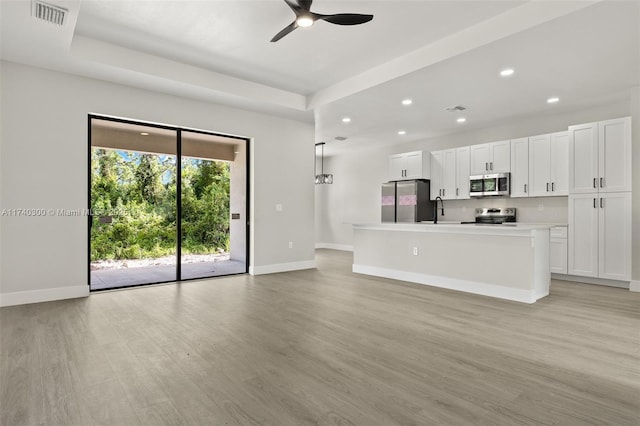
x=238, y=204
x=635, y=197
x=355, y=195
x=44, y=165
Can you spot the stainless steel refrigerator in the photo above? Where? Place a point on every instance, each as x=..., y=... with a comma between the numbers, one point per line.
x=406, y=201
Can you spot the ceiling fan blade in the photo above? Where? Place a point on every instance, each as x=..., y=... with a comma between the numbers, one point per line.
x=305, y=4
x=286, y=30
x=344, y=18
x=294, y=6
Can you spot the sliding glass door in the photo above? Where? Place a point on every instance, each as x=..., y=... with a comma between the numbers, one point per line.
x=208, y=165
x=138, y=232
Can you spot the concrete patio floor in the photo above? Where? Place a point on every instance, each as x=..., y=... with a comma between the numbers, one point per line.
x=114, y=278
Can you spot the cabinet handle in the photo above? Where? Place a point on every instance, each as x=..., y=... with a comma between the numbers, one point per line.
x=547, y=186
x=594, y=203
x=601, y=182
x=491, y=165
x=457, y=192
x=552, y=187
x=600, y=202
x=525, y=188
x=594, y=183
x=443, y=191
x=486, y=166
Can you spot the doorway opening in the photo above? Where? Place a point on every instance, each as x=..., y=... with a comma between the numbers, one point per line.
x=166, y=203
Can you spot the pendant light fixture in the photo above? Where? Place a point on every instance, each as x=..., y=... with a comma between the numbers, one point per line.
x=322, y=178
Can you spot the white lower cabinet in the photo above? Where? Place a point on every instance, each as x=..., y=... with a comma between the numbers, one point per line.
x=614, y=248
x=558, y=250
x=600, y=235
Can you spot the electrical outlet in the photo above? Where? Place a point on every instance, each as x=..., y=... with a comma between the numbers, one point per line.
x=540, y=207
x=415, y=251
x=290, y=244
x=278, y=207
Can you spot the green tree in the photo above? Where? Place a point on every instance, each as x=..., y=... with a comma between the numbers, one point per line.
x=148, y=174
x=143, y=186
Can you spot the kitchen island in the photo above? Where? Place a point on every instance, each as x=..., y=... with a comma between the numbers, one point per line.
x=508, y=261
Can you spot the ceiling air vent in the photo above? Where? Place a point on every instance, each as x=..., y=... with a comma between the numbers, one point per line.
x=340, y=138
x=456, y=108
x=48, y=12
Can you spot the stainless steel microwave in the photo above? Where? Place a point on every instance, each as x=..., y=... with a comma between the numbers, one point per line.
x=489, y=185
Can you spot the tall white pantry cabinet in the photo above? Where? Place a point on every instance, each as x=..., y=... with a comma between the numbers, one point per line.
x=600, y=199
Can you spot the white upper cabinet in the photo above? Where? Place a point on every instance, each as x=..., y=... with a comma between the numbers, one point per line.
x=492, y=157
x=520, y=167
x=437, y=164
x=540, y=166
x=548, y=164
x=450, y=174
x=501, y=157
x=462, y=173
x=583, y=158
x=614, y=155
x=600, y=157
x=397, y=165
x=479, y=158
x=409, y=165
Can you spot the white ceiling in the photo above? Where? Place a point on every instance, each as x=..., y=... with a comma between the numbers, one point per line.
x=439, y=53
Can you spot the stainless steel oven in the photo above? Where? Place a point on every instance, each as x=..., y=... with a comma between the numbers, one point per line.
x=489, y=185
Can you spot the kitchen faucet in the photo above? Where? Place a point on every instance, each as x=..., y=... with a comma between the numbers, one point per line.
x=435, y=209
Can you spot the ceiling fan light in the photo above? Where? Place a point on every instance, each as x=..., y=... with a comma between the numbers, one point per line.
x=304, y=21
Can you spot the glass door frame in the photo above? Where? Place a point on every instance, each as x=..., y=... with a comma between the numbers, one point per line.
x=178, y=131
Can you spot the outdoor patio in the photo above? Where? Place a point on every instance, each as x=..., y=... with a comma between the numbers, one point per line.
x=113, y=278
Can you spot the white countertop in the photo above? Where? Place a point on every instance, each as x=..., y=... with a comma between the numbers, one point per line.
x=510, y=229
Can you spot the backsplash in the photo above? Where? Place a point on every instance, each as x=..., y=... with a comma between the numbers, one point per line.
x=529, y=210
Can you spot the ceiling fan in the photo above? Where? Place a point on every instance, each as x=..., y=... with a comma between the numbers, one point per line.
x=306, y=18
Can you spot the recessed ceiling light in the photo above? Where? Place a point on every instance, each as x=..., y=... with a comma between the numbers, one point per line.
x=507, y=72
x=346, y=120
x=407, y=102
x=553, y=100
x=402, y=132
x=461, y=120
x=144, y=134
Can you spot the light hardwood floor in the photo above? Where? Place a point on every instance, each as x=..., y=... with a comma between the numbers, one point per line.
x=322, y=346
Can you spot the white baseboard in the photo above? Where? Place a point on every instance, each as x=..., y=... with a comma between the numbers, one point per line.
x=518, y=295
x=591, y=280
x=634, y=286
x=44, y=295
x=332, y=246
x=281, y=267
